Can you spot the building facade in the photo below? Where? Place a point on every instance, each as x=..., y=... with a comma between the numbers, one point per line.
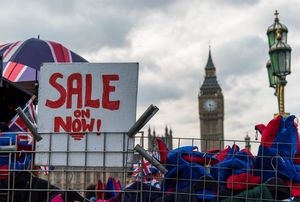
x=211, y=109
x=167, y=137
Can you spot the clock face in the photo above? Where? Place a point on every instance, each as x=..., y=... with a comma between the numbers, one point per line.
x=210, y=105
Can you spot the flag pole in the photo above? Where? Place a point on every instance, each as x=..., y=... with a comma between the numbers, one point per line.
x=152, y=160
x=29, y=124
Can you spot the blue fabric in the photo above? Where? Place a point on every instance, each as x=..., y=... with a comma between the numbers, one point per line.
x=8, y=139
x=174, y=158
x=205, y=194
x=14, y=160
x=41, y=51
x=285, y=141
x=269, y=164
x=183, y=174
x=278, y=159
x=200, y=157
x=262, y=164
x=110, y=189
x=237, y=163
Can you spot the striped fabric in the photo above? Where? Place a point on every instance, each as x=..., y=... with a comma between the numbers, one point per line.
x=17, y=124
x=22, y=59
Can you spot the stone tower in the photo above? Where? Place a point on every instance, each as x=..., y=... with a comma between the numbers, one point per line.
x=211, y=109
x=167, y=137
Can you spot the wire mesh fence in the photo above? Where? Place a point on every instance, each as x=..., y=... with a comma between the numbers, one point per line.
x=268, y=171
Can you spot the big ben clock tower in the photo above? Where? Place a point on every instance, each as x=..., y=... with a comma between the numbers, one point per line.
x=211, y=109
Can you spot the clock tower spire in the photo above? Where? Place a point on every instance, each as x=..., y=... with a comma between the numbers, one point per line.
x=210, y=69
x=211, y=109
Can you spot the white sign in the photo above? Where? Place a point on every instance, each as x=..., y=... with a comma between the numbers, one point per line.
x=78, y=103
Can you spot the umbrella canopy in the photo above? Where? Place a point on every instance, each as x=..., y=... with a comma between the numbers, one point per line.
x=23, y=59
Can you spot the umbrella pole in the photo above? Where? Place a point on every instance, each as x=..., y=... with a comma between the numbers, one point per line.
x=36, y=84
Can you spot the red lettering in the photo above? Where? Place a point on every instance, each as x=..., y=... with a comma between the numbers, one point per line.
x=77, y=113
x=107, y=89
x=59, y=122
x=82, y=113
x=61, y=90
x=87, y=127
x=76, y=77
x=88, y=93
x=98, y=126
x=85, y=113
x=76, y=125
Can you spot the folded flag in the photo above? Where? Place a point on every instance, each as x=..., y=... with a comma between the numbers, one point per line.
x=109, y=190
x=100, y=194
x=112, y=188
x=46, y=169
x=17, y=124
x=183, y=172
x=162, y=150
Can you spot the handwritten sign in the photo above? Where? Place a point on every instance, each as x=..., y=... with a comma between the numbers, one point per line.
x=80, y=102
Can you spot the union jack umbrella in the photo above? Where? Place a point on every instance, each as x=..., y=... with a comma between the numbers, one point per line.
x=22, y=59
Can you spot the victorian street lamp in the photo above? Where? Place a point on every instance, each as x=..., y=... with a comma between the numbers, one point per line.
x=279, y=65
x=272, y=78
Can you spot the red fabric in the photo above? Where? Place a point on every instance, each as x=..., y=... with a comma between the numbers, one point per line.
x=222, y=154
x=260, y=128
x=4, y=172
x=57, y=198
x=163, y=151
x=199, y=160
x=10, y=48
x=213, y=151
x=270, y=132
x=242, y=181
x=60, y=52
x=117, y=184
x=248, y=152
x=14, y=71
x=100, y=193
x=297, y=158
x=295, y=188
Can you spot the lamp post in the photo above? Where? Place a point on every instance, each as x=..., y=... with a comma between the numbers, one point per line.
x=279, y=65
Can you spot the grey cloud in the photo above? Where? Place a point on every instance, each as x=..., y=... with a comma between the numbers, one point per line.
x=84, y=25
x=242, y=56
x=140, y=4
x=152, y=93
x=241, y=2
x=236, y=125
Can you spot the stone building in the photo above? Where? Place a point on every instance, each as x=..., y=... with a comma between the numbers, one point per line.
x=167, y=138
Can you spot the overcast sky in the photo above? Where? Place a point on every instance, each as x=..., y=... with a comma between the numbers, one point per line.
x=169, y=39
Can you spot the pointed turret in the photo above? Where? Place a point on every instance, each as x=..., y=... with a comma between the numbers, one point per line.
x=210, y=79
x=166, y=131
x=210, y=63
x=210, y=69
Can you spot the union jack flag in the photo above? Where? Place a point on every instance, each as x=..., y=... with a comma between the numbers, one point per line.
x=46, y=169
x=25, y=142
x=17, y=124
x=146, y=172
x=22, y=59
x=143, y=168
